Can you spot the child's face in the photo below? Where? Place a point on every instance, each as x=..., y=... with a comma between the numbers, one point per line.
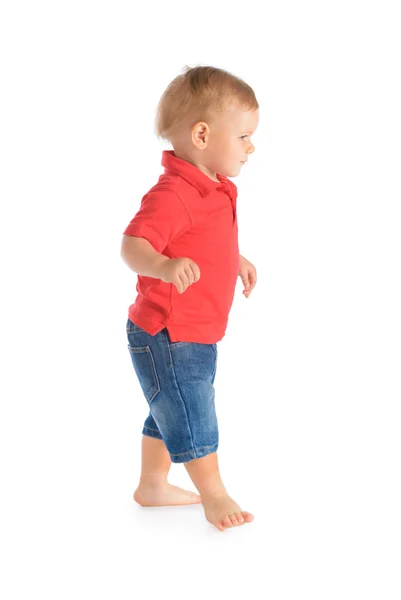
x=229, y=141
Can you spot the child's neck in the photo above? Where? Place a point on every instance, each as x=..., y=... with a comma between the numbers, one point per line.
x=179, y=153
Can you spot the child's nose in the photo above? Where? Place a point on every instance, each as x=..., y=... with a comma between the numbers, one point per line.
x=251, y=149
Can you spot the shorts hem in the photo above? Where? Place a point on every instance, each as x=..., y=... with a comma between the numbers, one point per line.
x=151, y=433
x=191, y=454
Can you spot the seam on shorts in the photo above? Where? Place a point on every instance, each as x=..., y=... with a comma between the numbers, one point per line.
x=152, y=433
x=195, y=450
x=182, y=400
x=150, y=429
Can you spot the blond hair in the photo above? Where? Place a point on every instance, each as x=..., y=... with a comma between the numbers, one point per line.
x=199, y=94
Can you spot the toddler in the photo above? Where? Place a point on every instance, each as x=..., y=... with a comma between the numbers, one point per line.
x=183, y=244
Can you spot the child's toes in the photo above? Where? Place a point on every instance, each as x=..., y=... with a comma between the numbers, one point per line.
x=240, y=518
x=226, y=522
x=247, y=516
x=233, y=519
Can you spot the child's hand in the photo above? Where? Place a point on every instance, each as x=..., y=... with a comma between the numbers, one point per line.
x=182, y=272
x=247, y=272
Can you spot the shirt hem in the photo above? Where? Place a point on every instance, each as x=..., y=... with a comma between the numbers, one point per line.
x=176, y=333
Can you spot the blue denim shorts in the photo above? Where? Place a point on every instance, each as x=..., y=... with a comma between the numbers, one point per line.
x=177, y=381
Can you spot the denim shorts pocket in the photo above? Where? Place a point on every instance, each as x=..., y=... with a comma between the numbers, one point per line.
x=144, y=365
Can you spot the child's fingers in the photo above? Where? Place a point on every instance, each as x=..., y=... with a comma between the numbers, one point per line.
x=245, y=282
x=244, y=278
x=252, y=281
x=185, y=277
x=190, y=275
x=195, y=270
x=249, y=282
x=181, y=283
x=252, y=278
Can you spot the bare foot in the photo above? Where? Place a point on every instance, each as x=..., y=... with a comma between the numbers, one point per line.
x=223, y=512
x=164, y=495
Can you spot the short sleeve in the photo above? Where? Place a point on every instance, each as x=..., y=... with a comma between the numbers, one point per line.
x=162, y=217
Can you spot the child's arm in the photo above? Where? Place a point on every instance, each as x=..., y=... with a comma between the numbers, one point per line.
x=247, y=272
x=142, y=258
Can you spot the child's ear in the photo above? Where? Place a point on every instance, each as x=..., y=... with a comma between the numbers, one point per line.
x=200, y=135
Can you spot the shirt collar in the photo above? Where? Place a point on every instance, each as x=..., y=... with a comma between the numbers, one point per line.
x=176, y=166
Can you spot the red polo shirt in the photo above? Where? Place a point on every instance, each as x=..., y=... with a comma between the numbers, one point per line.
x=186, y=214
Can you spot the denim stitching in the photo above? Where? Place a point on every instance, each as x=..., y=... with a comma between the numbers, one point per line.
x=185, y=408
x=154, y=373
x=168, y=346
x=195, y=451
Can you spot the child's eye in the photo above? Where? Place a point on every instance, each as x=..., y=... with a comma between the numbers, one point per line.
x=244, y=136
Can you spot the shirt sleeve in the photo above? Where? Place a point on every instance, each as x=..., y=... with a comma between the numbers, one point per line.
x=161, y=218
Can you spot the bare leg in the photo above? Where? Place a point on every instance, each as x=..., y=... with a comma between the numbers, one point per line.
x=220, y=509
x=153, y=488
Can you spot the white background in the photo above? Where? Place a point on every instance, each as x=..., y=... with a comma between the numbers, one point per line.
x=308, y=383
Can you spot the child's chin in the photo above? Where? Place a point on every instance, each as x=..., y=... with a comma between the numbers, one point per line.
x=233, y=173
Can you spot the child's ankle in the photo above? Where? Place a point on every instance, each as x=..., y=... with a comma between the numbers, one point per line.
x=214, y=493
x=152, y=479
